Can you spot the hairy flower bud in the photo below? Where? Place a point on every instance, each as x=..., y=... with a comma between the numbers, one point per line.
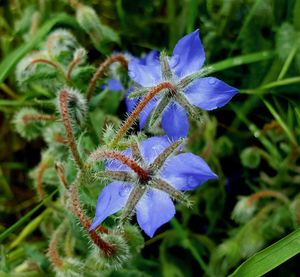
x=250, y=157
x=61, y=44
x=77, y=108
x=71, y=268
x=133, y=237
x=29, y=71
x=116, y=259
x=243, y=210
x=29, y=123
x=101, y=35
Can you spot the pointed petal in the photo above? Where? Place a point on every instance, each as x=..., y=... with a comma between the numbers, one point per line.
x=175, y=122
x=186, y=171
x=152, y=147
x=111, y=200
x=151, y=57
x=153, y=210
x=188, y=55
x=145, y=75
x=209, y=93
x=146, y=112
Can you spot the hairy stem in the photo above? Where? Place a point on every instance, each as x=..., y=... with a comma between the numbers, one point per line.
x=135, y=113
x=102, y=69
x=53, y=246
x=39, y=177
x=105, y=247
x=38, y=117
x=71, y=67
x=64, y=111
x=114, y=155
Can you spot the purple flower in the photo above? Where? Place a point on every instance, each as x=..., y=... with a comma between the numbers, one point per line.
x=182, y=70
x=147, y=180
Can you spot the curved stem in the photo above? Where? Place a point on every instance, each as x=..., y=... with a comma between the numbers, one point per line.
x=101, y=70
x=134, y=115
x=107, y=249
x=64, y=111
x=102, y=154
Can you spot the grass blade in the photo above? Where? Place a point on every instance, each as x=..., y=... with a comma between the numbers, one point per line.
x=271, y=257
x=12, y=59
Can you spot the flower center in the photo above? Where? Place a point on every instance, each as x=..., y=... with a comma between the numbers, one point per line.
x=144, y=177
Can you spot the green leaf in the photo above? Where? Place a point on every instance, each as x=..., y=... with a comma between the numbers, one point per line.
x=271, y=257
x=25, y=218
x=281, y=122
x=12, y=59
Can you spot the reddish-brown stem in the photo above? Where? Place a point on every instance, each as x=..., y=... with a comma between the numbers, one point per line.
x=134, y=115
x=53, y=245
x=60, y=171
x=38, y=117
x=71, y=67
x=59, y=138
x=107, y=249
x=267, y=193
x=39, y=177
x=64, y=111
x=102, y=69
x=74, y=4
x=45, y=61
x=101, y=155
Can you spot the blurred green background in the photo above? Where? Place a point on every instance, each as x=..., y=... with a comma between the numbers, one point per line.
x=252, y=143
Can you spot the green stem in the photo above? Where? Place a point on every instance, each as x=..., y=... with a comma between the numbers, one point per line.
x=25, y=218
x=181, y=232
x=288, y=62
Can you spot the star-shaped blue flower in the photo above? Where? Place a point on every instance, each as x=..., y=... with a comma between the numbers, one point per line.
x=149, y=195
x=207, y=93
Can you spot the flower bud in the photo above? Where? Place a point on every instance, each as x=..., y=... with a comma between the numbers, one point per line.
x=224, y=147
x=101, y=35
x=134, y=238
x=250, y=157
x=116, y=259
x=71, y=268
x=243, y=210
x=61, y=45
x=29, y=129
x=77, y=108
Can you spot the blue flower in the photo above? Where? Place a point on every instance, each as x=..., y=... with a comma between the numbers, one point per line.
x=165, y=176
x=116, y=85
x=207, y=93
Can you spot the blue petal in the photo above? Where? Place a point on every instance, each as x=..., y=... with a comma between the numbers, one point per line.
x=188, y=55
x=116, y=165
x=186, y=171
x=151, y=57
x=115, y=85
x=130, y=103
x=111, y=200
x=152, y=147
x=175, y=122
x=209, y=93
x=146, y=112
x=145, y=75
x=153, y=210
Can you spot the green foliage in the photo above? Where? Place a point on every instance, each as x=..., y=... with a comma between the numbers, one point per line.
x=253, y=144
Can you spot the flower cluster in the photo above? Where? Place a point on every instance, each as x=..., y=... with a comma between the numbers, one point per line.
x=141, y=175
x=148, y=174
